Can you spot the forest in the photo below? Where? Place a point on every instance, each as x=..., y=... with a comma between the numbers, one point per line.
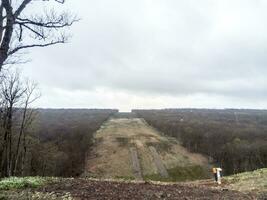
x=64, y=139
x=234, y=139
x=43, y=142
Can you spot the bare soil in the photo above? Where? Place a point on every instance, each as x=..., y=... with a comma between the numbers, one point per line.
x=90, y=189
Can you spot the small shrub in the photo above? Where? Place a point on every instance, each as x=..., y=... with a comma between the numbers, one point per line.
x=163, y=146
x=122, y=141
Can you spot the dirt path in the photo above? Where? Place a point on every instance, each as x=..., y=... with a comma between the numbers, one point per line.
x=158, y=162
x=128, y=148
x=136, y=164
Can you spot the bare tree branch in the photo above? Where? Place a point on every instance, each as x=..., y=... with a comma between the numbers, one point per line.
x=2, y=17
x=21, y=8
x=35, y=45
x=56, y=23
x=29, y=31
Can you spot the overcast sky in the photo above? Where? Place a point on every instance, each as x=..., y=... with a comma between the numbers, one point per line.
x=157, y=54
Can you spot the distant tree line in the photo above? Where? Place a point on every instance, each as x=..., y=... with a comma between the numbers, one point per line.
x=233, y=139
x=66, y=136
x=43, y=142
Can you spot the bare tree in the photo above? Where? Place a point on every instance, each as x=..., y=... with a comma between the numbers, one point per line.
x=16, y=117
x=11, y=91
x=29, y=97
x=20, y=29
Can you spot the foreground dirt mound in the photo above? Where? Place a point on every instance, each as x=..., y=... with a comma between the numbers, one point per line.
x=87, y=189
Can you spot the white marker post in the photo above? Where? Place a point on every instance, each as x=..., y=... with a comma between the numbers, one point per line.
x=219, y=176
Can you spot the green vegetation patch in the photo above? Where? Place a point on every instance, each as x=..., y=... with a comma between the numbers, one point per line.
x=163, y=146
x=122, y=141
x=178, y=174
x=23, y=182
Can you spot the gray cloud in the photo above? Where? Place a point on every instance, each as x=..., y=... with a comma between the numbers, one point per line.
x=159, y=48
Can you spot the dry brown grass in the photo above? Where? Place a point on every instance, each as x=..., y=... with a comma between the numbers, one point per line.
x=117, y=135
x=255, y=181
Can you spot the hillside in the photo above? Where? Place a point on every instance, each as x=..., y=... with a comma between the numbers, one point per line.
x=247, y=182
x=255, y=181
x=128, y=148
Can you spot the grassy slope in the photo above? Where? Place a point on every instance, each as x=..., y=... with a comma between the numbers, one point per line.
x=117, y=135
x=255, y=181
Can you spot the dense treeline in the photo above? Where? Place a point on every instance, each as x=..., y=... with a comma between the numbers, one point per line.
x=57, y=141
x=65, y=136
x=234, y=139
x=43, y=142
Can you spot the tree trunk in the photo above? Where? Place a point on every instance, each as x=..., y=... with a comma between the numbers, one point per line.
x=5, y=43
x=8, y=147
x=19, y=140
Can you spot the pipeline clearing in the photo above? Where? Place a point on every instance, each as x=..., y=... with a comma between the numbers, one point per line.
x=128, y=148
